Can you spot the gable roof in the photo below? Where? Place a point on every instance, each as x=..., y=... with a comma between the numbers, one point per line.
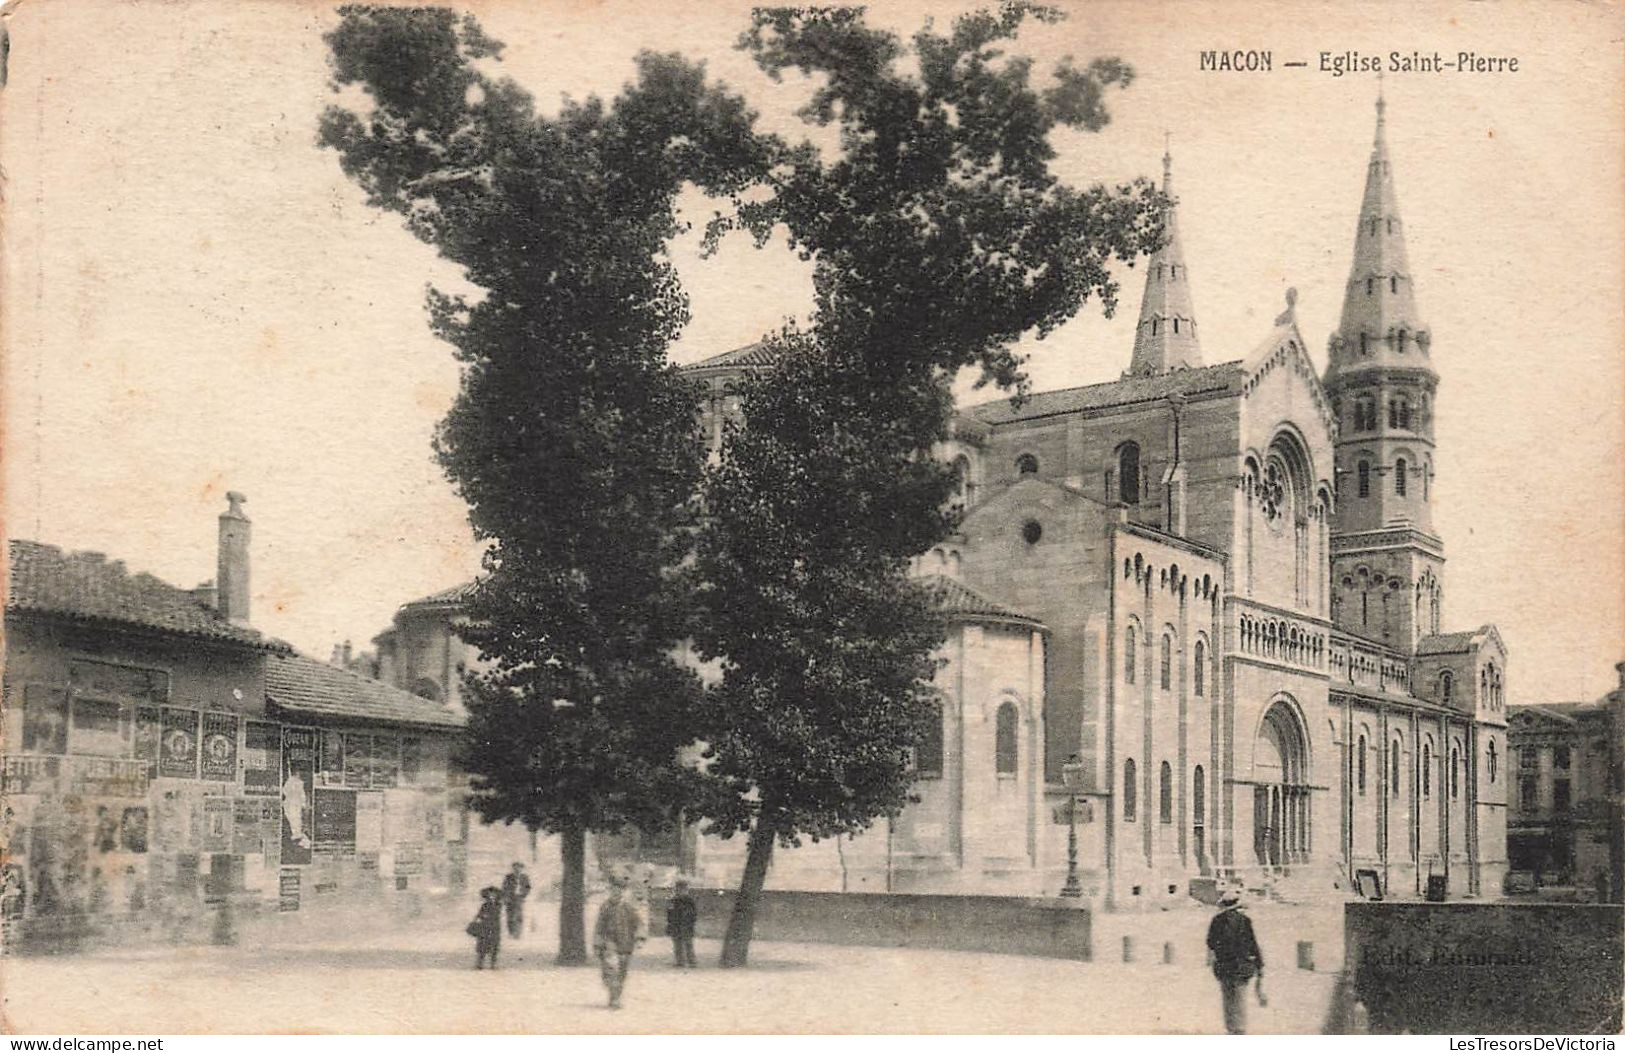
x=1458, y=642
x=751, y=356
x=455, y=596
x=1224, y=378
x=958, y=600
x=1549, y=714
x=296, y=685
x=87, y=587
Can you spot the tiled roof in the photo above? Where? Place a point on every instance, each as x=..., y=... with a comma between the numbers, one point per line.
x=958, y=599
x=88, y=587
x=1227, y=376
x=301, y=686
x=1554, y=713
x=751, y=356
x=452, y=597
x=1446, y=643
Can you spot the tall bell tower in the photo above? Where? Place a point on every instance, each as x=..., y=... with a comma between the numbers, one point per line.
x=1387, y=563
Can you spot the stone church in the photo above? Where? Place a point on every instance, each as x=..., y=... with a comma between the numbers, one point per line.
x=1204, y=601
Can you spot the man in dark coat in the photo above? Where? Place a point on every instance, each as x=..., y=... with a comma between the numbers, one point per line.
x=1234, y=955
x=486, y=928
x=515, y=890
x=616, y=935
x=680, y=916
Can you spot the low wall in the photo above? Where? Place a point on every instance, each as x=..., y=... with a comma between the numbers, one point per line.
x=1487, y=968
x=1044, y=928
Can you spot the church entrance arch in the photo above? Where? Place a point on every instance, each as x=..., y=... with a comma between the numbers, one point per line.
x=1281, y=788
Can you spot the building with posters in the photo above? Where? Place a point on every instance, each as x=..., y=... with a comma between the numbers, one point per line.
x=163, y=757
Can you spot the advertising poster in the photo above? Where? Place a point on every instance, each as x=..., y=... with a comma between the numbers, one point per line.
x=288, y=890
x=245, y=826
x=98, y=728
x=169, y=823
x=357, y=760
x=369, y=822
x=146, y=736
x=177, y=757
x=262, y=758
x=335, y=822
x=408, y=860
x=218, y=823
x=45, y=719
x=133, y=829
x=299, y=746
x=330, y=771
x=220, y=747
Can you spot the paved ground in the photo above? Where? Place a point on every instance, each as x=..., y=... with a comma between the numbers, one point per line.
x=423, y=982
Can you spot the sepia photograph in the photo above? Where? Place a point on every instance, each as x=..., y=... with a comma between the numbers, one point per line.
x=936, y=517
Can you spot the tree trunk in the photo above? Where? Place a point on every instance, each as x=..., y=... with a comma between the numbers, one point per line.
x=736, y=945
x=573, y=897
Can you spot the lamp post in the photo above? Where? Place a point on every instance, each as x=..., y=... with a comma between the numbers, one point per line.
x=1072, y=778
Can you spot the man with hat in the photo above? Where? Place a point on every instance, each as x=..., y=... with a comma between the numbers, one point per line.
x=681, y=913
x=616, y=935
x=1235, y=958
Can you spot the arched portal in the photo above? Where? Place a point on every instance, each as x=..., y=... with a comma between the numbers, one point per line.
x=1281, y=788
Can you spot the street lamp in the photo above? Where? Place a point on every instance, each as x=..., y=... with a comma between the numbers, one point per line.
x=1072, y=779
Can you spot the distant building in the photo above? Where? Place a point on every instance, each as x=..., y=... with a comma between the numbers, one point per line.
x=1564, y=759
x=162, y=756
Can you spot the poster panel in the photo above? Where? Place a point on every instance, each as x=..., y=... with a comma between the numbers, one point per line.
x=146, y=736
x=408, y=860
x=45, y=719
x=133, y=829
x=245, y=826
x=169, y=823
x=288, y=890
x=177, y=758
x=335, y=820
x=97, y=727
x=299, y=747
x=330, y=770
x=369, y=822
x=357, y=760
x=218, y=824
x=262, y=758
x=220, y=747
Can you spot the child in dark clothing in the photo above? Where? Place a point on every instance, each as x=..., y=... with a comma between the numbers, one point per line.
x=486, y=928
x=680, y=915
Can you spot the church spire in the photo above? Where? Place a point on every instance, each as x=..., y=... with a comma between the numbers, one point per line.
x=1165, y=337
x=1380, y=324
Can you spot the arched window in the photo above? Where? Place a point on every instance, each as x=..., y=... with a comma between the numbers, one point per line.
x=1404, y=408
x=1004, y=743
x=1393, y=768
x=1427, y=769
x=1167, y=674
x=1165, y=790
x=1399, y=477
x=1365, y=344
x=1128, y=473
x=1370, y=283
x=1131, y=791
x=1393, y=285
x=1199, y=669
x=1364, y=472
x=1128, y=654
x=1492, y=760
x=967, y=489
x=1198, y=797
x=1359, y=765
x=928, y=754
x=1455, y=772
x=1393, y=414
x=1447, y=687
x=1027, y=464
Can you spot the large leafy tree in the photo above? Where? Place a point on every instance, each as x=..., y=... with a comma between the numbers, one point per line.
x=572, y=439
x=939, y=237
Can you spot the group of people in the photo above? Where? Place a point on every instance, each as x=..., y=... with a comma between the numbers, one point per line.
x=621, y=927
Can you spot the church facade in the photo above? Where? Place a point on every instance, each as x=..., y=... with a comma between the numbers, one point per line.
x=1210, y=596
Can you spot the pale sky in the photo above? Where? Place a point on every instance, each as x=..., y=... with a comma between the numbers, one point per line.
x=196, y=299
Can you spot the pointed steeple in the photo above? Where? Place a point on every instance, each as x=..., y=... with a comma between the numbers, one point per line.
x=1380, y=325
x=1165, y=337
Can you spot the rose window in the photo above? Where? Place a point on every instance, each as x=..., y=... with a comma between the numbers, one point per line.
x=1272, y=492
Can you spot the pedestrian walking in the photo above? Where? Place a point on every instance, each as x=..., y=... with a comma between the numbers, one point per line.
x=515, y=890
x=681, y=913
x=486, y=928
x=1235, y=958
x=615, y=937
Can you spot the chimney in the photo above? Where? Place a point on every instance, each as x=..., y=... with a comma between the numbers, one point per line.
x=207, y=594
x=233, y=568
x=349, y=656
